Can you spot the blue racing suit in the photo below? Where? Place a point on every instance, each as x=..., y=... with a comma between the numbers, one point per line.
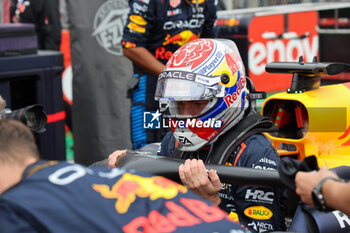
x=258, y=208
x=161, y=26
x=63, y=197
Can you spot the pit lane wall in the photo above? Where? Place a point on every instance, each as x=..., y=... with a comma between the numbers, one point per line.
x=283, y=33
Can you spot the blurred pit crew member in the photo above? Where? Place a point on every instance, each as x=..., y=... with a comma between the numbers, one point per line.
x=52, y=196
x=45, y=15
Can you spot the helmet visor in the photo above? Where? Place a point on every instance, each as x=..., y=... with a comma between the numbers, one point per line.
x=189, y=109
x=186, y=86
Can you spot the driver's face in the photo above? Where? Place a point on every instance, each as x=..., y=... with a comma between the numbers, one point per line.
x=191, y=108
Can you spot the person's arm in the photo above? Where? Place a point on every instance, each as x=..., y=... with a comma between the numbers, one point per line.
x=137, y=33
x=144, y=59
x=336, y=194
x=52, y=28
x=194, y=176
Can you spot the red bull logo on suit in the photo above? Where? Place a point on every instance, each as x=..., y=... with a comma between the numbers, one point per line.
x=178, y=211
x=130, y=186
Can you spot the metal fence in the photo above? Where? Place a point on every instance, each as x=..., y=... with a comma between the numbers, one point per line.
x=238, y=4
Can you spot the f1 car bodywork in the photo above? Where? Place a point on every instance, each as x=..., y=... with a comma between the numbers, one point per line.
x=314, y=120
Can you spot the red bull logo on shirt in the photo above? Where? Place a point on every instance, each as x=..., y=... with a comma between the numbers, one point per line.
x=180, y=39
x=186, y=212
x=129, y=186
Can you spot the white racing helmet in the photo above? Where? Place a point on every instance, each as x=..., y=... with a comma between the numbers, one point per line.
x=209, y=70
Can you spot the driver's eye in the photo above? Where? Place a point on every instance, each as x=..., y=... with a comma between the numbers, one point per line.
x=201, y=103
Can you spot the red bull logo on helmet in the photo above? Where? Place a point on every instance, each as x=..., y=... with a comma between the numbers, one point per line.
x=231, y=99
x=131, y=186
x=234, y=62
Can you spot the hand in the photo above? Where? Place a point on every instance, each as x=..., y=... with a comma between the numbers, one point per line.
x=114, y=157
x=306, y=181
x=194, y=176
